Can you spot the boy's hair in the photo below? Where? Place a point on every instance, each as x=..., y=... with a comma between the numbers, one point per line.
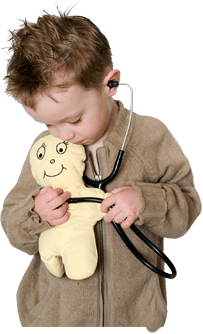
x=66, y=44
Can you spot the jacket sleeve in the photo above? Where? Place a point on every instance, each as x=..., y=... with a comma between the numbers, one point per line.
x=20, y=222
x=170, y=203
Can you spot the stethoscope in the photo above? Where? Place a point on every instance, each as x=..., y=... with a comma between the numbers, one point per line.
x=100, y=184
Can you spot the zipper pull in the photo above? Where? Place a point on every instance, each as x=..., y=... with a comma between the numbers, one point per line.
x=97, y=177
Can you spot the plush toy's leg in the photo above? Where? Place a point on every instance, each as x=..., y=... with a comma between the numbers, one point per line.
x=48, y=254
x=54, y=265
x=75, y=243
x=80, y=257
x=81, y=265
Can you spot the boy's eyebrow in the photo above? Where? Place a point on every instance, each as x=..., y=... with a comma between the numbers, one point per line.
x=60, y=88
x=51, y=97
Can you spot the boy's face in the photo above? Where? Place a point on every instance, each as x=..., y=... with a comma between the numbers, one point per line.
x=76, y=115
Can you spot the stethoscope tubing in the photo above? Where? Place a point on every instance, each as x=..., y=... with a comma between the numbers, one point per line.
x=150, y=244
x=129, y=244
x=102, y=183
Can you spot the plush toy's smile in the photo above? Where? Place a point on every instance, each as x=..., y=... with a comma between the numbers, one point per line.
x=62, y=168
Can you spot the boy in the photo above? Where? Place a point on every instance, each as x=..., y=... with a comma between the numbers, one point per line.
x=59, y=72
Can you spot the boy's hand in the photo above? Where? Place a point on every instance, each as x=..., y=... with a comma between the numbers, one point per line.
x=51, y=205
x=127, y=206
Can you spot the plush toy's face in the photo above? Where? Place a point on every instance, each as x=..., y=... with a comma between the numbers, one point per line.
x=55, y=162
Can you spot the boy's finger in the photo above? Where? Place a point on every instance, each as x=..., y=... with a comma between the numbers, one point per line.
x=59, y=200
x=127, y=223
x=107, y=203
x=110, y=216
x=45, y=190
x=60, y=221
x=119, y=218
x=60, y=212
x=52, y=194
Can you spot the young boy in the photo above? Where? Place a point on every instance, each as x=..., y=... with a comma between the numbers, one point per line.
x=59, y=71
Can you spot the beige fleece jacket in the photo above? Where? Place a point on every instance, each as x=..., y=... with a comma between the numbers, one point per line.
x=122, y=292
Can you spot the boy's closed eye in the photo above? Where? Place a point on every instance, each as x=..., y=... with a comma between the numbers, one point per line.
x=72, y=123
x=76, y=122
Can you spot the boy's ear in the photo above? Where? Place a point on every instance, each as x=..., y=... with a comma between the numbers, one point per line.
x=113, y=75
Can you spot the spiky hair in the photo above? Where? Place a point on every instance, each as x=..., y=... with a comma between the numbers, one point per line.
x=68, y=44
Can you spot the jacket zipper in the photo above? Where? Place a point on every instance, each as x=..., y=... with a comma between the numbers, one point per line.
x=102, y=267
x=98, y=178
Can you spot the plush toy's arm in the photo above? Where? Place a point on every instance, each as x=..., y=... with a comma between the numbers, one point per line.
x=20, y=223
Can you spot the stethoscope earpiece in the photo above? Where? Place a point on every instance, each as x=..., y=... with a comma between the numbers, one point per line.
x=112, y=84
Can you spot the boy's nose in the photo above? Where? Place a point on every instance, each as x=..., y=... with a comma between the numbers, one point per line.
x=67, y=136
x=52, y=161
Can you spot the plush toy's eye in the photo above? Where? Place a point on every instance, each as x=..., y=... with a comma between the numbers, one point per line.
x=41, y=152
x=61, y=147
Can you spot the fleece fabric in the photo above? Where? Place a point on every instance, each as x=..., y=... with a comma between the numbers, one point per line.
x=122, y=292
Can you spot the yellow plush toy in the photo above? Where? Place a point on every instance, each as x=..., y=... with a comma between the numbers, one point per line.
x=71, y=247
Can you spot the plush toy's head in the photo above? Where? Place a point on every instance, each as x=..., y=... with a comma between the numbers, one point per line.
x=55, y=162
